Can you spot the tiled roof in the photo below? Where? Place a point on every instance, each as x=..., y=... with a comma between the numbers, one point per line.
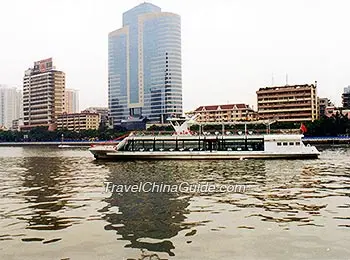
x=225, y=107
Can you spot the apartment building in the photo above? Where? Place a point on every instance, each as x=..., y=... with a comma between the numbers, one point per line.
x=10, y=105
x=43, y=94
x=71, y=101
x=224, y=113
x=103, y=112
x=297, y=103
x=78, y=121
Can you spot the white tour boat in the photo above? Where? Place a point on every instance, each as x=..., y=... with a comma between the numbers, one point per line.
x=184, y=145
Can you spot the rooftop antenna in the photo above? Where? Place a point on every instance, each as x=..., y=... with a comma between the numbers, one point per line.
x=287, y=79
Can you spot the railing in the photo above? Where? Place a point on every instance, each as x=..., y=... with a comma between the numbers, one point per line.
x=227, y=132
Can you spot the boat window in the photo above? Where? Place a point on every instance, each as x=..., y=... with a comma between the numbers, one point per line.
x=291, y=143
x=285, y=143
x=235, y=145
x=191, y=145
x=256, y=144
x=297, y=143
x=170, y=144
x=279, y=144
x=127, y=146
x=148, y=145
x=137, y=145
x=218, y=144
x=159, y=145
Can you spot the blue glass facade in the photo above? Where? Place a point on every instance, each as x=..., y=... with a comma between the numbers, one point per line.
x=118, y=74
x=145, y=65
x=162, y=66
x=130, y=19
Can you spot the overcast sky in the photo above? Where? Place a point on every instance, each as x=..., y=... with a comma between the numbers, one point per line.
x=229, y=48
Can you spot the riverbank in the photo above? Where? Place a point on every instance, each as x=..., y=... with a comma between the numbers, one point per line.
x=326, y=140
x=66, y=143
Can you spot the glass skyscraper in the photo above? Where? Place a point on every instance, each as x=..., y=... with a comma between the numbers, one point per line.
x=144, y=66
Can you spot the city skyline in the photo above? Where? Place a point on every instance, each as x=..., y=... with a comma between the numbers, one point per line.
x=230, y=49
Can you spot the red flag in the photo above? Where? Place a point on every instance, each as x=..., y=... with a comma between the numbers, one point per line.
x=303, y=128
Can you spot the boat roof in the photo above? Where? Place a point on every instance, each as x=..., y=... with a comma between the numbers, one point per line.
x=285, y=137
x=276, y=137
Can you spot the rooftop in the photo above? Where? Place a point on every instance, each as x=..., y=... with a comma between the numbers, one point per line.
x=222, y=107
x=288, y=87
x=77, y=114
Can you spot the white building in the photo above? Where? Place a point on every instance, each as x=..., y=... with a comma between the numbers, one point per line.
x=71, y=101
x=10, y=105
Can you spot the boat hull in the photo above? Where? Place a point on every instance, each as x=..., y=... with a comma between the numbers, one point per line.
x=203, y=155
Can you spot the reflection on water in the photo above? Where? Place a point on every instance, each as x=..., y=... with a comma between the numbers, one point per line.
x=155, y=216
x=161, y=216
x=52, y=196
x=45, y=192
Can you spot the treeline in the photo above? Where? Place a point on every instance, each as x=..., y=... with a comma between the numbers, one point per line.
x=41, y=134
x=337, y=125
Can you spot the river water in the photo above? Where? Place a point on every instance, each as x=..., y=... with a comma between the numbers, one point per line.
x=53, y=205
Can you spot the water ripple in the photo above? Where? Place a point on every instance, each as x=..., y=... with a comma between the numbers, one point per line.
x=52, y=196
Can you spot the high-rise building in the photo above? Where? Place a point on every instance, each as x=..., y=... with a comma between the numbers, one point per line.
x=43, y=94
x=346, y=97
x=144, y=66
x=297, y=103
x=71, y=101
x=10, y=105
